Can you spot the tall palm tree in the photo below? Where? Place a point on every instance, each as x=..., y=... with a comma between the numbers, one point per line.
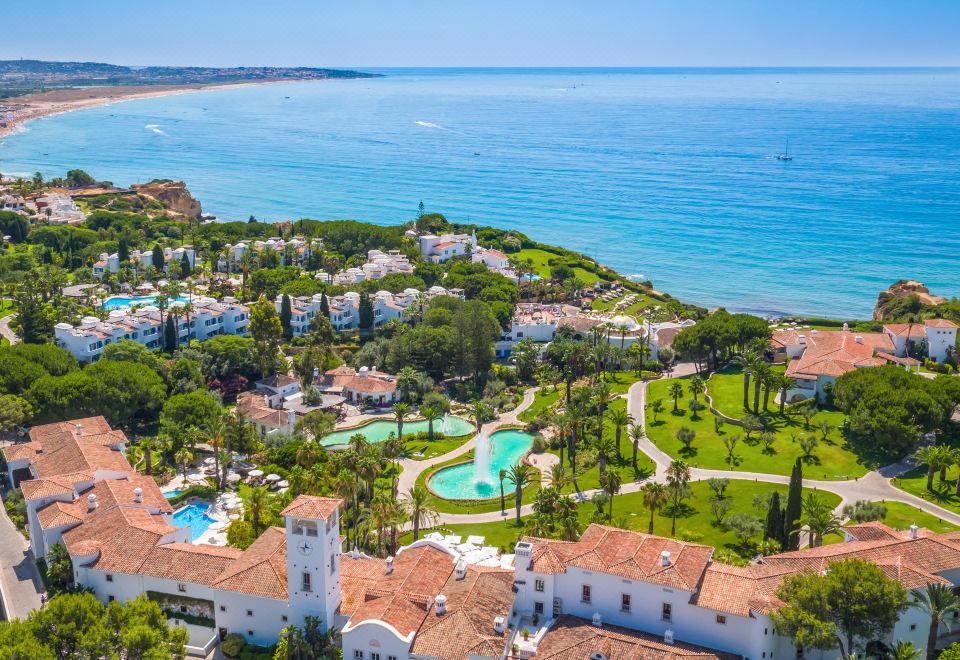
x=611, y=483
x=696, y=387
x=520, y=476
x=400, y=412
x=406, y=382
x=636, y=435
x=784, y=383
x=559, y=478
x=419, y=507
x=605, y=448
x=568, y=519
x=347, y=487
x=216, y=433
x=479, y=412
x=937, y=601
x=257, y=508
x=602, y=398
x=746, y=360
x=655, y=496
x=619, y=418
x=678, y=476
x=819, y=519
x=182, y=457
x=934, y=457
x=503, y=501
x=761, y=374
x=676, y=391
x=431, y=414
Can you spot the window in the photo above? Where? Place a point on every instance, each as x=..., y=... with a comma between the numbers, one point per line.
x=391, y=657
x=538, y=607
x=109, y=578
x=283, y=618
x=109, y=599
x=666, y=612
x=913, y=626
x=306, y=582
x=249, y=612
x=249, y=633
x=333, y=564
x=357, y=654
x=721, y=619
x=182, y=588
x=223, y=608
x=624, y=602
x=374, y=656
x=538, y=585
x=585, y=593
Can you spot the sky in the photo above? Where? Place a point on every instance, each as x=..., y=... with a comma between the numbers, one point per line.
x=495, y=33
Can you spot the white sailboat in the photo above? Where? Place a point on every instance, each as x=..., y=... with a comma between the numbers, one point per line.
x=786, y=153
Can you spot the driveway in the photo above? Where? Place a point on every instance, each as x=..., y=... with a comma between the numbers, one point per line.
x=20, y=583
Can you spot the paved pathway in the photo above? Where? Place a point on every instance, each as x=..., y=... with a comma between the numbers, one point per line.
x=5, y=330
x=20, y=583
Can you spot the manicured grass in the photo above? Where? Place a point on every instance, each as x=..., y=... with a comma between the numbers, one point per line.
x=832, y=459
x=540, y=262
x=433, y=449
x=943, y=493
x=545, y=398
x=620, y=381
x=901, y=515
x=695, y=520
x=6, y=307
x=503, y=534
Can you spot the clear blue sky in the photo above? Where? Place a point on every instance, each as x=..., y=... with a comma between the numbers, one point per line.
x=374, y=33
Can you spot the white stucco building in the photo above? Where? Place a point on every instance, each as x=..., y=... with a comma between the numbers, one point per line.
x=439, y=249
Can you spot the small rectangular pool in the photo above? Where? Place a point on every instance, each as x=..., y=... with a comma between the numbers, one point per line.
x=170, y=494
x=195, y=517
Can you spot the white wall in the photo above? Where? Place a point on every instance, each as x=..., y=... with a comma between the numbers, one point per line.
x=375, y=637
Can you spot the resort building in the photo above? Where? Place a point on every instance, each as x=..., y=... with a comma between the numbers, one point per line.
x=206, y=318
x=277, y=401
x=624, y=331
x=292, y=251
x=494, y=260
x=12, y=202
x=530, y=321
x=439, y=249
x=363, y=386
x=935, y=338
x=59, y=209
x=107, y=263
x=379, y=264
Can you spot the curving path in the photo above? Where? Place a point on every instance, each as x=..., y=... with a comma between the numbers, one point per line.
x=6, y=331
x=874, y=485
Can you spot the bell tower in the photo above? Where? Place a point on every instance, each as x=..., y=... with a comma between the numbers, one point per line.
x=313, y=557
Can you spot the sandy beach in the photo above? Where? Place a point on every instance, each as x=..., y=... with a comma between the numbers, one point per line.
x=17, y=110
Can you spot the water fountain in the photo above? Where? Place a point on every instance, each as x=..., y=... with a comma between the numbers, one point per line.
x=443, y=424
x=481, y=459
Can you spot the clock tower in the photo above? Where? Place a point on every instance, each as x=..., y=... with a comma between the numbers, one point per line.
x=313, y=558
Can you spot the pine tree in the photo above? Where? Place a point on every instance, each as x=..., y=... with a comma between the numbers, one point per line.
x=170, y=335
x=158, y=257
x=774, y=528
x=324, y=305
x=286, y=315
x=366, y=312
x=791, y=521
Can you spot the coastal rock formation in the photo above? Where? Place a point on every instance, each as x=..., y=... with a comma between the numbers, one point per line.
x=903, y=289
x=173, y=195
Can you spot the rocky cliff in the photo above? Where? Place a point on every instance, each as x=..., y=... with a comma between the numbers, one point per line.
x=173, y=195
x=900, y=290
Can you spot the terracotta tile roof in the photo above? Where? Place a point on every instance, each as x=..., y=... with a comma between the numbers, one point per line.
x=186, y=562
x=254, y=406
x=445, y=244
x=904, y=329
x=632, y=555
x=109, y=492
x=872, y=531
x=277, y=380
x=466, y=629
x=36, y=489
x=666, y=336
x=905, y=360
x=579, y=324
x=311, y=506
x=836, y=352
x=123, y=535
x=939, y=323
x=26, y=450
x=572, y=638
x=262, y=568
x=373, y=382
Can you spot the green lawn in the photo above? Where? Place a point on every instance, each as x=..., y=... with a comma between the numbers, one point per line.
x=695, y=521
x=6, y=307
x=544, y=399
x=943, y=493
x=433, y=449
x=539, y=261
x=901, y=515
x=832, y=459
x=620, y=381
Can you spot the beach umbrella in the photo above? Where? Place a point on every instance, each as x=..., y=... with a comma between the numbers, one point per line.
x=234, y=516
x=256, y=473
x=273, y=477
x=233, y=478
x=196, y=477
x=283, y=484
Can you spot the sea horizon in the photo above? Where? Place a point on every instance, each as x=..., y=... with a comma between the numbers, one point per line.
x=662, y=173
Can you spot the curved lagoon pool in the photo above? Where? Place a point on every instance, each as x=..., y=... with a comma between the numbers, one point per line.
x=116, y=302
x=458, y=482
x=195, y=517
x=380, y=430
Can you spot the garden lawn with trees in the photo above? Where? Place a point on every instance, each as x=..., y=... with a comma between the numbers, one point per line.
x=831, y=457
x=539, y=261
x=944, y=493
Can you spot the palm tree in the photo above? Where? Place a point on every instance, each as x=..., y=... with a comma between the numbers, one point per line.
x=347, y=487
x=676, y=391
x=258, y=505
x=503, y=501
x=419, y=507
x=696, y=387
x=936, y=601
x=407, y=382
x=619, y=418
x=636, y=435
x=654, y=496
x=605, y=448
x=678, y=476
x=216, y=432
x=431, y=414
x=182, y=457
x=934, y=457
x=602, y=397
x=148, y=445
x=479, y=412
x=784, y=383
x=761, y=373
x=558, y=477
x=611, y=486
x=400, y=412
x=59, y=565
x=904, y=650
x=520, y=476
x=746, y=361
x=819, y=519
x=568, y=519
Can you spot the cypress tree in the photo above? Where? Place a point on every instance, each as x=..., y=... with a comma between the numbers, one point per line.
x=324, y=305
x=286, y=314
x=791, y=522
x=158, y=257
x=123, y=250
x=774, y=529
x=366, y=312
x=185, y=269
x=170, y=335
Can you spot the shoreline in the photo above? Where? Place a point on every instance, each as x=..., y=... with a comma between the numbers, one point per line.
x=38, y=105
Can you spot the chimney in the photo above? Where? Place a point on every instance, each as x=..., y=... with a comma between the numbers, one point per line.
x=668, y=636
x=91, y=501
x=913, y=531
x=846, y=327
x=499, y=625
x=597, y=620
x=77, y=429
x=138, y=495
x=441, y=604
x=665, y=558
x=389, y=565
x=461, y=569
x=858, y=339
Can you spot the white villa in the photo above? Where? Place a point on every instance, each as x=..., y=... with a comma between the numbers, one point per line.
x=612, y=594
x=379, y=264
x=208, y=318
x=295, y=250
x=358, y=386
x=439, y=249
x=59, y=209
x=275, y=403
x=110, y=263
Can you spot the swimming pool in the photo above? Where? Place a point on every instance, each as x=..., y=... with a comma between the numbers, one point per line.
x=195, y=517
x=380, y=430
x=458, y=482
x=116, y=302
x=170, y=494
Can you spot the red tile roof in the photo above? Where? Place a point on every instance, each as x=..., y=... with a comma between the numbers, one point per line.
x=939, y=323
x=311, y=506
x=836, y=352
x=262, y=568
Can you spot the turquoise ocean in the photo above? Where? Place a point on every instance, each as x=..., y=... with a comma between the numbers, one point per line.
x=665, y=174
